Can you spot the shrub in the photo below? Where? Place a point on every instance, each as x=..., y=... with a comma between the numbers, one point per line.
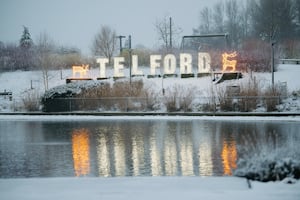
x=120, y=96
x=255, y=56
x=179, y=98
x=250, y=91
x=31, y=100
x=226, y=102
x=272, y=99
x=269, y=160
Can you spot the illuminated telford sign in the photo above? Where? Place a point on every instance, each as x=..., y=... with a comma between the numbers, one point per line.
x=157, y=62
x=168, y=61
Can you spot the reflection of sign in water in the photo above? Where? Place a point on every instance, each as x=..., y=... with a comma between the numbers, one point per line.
x=81, y=152
x=231, y=64
x=229, y=156
x=81, y=70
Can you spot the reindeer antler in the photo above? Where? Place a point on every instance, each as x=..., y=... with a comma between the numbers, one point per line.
x=233, y=54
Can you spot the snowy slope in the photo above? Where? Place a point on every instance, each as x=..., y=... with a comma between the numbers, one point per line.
x=208, y=188
x=21, y=82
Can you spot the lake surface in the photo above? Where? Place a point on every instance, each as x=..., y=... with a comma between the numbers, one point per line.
x=134, y=147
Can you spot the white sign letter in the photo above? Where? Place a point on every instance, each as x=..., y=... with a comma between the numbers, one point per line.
x=102, y=62
x=203, y=62
x=135, y=70
x=185, y=63
x=119, y=66
x=154, y=63
x=169, y=64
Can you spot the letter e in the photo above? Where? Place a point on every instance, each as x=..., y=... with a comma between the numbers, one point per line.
x=119, y=66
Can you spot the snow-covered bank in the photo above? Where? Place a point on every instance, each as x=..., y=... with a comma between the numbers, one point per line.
x=207, y=188
x=22, y=84
x=139, y=117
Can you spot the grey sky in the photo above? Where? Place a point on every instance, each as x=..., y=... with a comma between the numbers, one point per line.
x=75, y=22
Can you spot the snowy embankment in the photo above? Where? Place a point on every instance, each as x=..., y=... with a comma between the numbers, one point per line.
x=224, y=188
x=20, y=83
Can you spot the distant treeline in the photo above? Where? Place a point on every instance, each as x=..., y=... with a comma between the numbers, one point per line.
x=253, y=28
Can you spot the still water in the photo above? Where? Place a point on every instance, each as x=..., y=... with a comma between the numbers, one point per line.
x=134, y=147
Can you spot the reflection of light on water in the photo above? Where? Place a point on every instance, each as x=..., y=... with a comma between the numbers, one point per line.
x=229, y=156
x=205, y=161
x=155, y=153
x=81, y=152
x=119, y=153
x=155, y=159
x=103, y=156
x=170, y=154
x=203, y=143
x=137, y=153
x=186, y=155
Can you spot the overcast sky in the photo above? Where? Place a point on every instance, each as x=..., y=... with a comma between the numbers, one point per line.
x=75, y=22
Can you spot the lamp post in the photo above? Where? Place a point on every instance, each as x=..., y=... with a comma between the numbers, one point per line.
x=272, y=43
x=120, y=39
x=130, y=52
x=272, y=61
x=130, y=57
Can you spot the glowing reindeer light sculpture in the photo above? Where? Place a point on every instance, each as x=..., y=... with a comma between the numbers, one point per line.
x=229, y=63
x=82, y=70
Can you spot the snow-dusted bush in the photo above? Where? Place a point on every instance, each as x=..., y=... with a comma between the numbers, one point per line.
x=99, y=96
x=269, y=160
x=225, y=102
x=250, y=90
x=255, y=56
x=272, y=95
x=31, y=100
x=179, y=98
x=59, y=98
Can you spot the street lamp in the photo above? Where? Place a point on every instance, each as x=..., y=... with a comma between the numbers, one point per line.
x=120, y=39
x=272, y=42
x=272, y=61
x=130, y=52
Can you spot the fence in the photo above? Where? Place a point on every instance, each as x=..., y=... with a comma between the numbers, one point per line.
x=127, y=104
x=249, y=103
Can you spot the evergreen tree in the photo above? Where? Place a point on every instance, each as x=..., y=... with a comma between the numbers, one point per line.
x=26, y=41
x=25, y=59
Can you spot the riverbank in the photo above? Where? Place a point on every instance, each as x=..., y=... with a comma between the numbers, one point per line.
x=83, y=116
x=248, y=114
x=146, y=188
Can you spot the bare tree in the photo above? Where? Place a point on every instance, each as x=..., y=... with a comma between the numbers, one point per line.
x=232, y=24
x=167, y=32
x=205, y=21
x=245, y=18
x=45, y=46
x=218, y=17
x=104, y=43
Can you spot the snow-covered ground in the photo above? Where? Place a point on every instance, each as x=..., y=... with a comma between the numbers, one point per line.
x=22, y=82
x=208, y=188
x=143, y=118
x=142, y=187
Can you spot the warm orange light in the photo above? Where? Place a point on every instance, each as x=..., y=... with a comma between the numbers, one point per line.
x=231, y=64
x=81, y=152
x=229, y=156
x=82, y=70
